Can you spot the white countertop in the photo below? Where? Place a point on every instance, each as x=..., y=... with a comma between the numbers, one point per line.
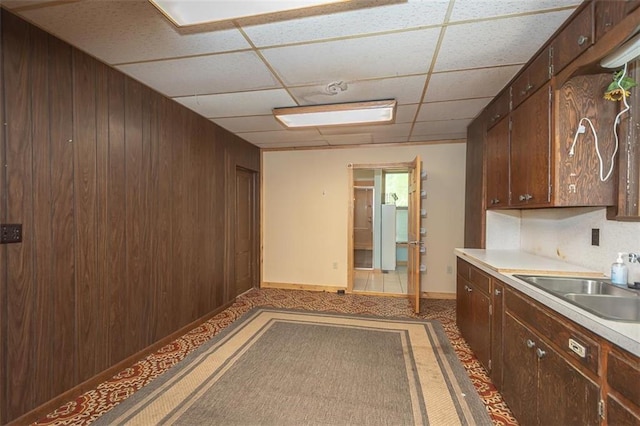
x=502, y=264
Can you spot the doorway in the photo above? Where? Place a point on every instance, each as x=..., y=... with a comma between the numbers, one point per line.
x=379, y=229
x=245, y=264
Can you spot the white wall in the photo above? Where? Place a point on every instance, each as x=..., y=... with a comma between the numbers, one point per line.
x=306, y=205
x=565, y=234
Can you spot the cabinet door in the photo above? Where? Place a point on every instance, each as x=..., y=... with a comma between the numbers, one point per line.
x=479, y=337
x=565, y=396
x=498, y=165
x=530, y=155
x=497, y=318
x=610, y=12
x=519, y=385
x=574, y=39
x=463, y=310
x=621, y=415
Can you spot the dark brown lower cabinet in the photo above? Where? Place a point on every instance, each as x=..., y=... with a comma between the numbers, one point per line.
x=623, y=398
x=540, y=386
x=473, y=312
x=527, y=350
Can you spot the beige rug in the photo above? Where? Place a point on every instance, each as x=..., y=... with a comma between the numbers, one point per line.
x=283, y=367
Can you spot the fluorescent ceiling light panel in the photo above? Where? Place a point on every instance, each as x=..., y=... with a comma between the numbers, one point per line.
x=625, y=53
x=193, y=12
x=380, y=112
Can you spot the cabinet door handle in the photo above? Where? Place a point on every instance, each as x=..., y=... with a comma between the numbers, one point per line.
x=522, y=197
x=528, y=197
x=495, y=118
x=496, y=201
x=497, y=292
x=540, y=353
x=530, y=343
x=582, y=40
x=469, y=289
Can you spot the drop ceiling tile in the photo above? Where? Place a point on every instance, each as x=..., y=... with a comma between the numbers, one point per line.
x=388, y=55
x=473, y=9
x=283, y=136
x=260, y=102
x=301, y=144
x=406, y=113
x=355, y=139
x=465, y=108
x=467, y=84
x=442, y=127
x=497, y=42
x=405, y=90
x=394, y=17
x=128, y=31
x=398, y=129
x=221, y=73
x=389, y=139
x=257, y=123
x=442, y=137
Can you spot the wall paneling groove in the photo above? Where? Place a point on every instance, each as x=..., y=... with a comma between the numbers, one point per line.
x=122, y=194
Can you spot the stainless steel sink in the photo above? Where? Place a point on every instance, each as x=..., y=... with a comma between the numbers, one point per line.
x=599, y=297
x=610, y=307
x=565, y=285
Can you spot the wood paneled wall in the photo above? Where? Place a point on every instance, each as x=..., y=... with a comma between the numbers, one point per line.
x=121, y=193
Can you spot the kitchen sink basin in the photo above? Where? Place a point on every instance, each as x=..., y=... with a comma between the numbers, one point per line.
x=599, y=297
x=610, y=307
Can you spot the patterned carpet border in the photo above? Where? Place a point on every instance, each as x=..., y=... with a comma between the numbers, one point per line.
x=88, y=407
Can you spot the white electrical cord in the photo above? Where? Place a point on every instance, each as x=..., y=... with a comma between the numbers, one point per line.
x=582, y=129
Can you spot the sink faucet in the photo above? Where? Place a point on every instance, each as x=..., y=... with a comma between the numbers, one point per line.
x=634, y=258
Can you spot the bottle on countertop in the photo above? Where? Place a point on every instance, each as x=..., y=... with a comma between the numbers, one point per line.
x=619, y=271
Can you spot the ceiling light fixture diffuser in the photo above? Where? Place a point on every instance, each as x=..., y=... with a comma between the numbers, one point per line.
x=372, y=112
x=194, y=12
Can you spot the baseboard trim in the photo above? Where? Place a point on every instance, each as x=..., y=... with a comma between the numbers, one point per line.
x=434, y=295
x=308, y=287
x=93, y=382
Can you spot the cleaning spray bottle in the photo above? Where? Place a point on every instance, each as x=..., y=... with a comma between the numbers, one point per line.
x=619, y=271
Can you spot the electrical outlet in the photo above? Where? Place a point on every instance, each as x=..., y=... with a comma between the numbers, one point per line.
x=10, y=233
x=449, y=269
x=335, y=265
x=595, y=236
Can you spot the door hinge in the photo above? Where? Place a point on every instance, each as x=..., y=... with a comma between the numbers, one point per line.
x=490, y=310
x=601, y=409
x=489, y=365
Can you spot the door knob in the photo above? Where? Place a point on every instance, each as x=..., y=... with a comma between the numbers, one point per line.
x=530, y=343
x=540, y=353
x=497, y=292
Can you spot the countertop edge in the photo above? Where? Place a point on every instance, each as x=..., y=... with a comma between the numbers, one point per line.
x=597, y=325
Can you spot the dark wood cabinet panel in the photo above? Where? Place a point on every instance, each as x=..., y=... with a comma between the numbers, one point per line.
x=577, y=179
x=623, y=376
x=119, y=190
x=540, y=386
x=532, y=78
x=574, y=39
x=497, y=342
x=619, y=414
x=519, y=385
x=565, y=396
x=498, y=108
x=474, y=217
x=497, y=153
x=530, y=151
x=473, y=310
x=608, y=13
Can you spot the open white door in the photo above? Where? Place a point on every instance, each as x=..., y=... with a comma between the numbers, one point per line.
x=415, y=242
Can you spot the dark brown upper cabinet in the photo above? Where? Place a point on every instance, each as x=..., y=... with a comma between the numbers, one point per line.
x=574, y=39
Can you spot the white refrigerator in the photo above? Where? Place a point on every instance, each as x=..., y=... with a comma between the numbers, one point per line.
x=388, y=238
